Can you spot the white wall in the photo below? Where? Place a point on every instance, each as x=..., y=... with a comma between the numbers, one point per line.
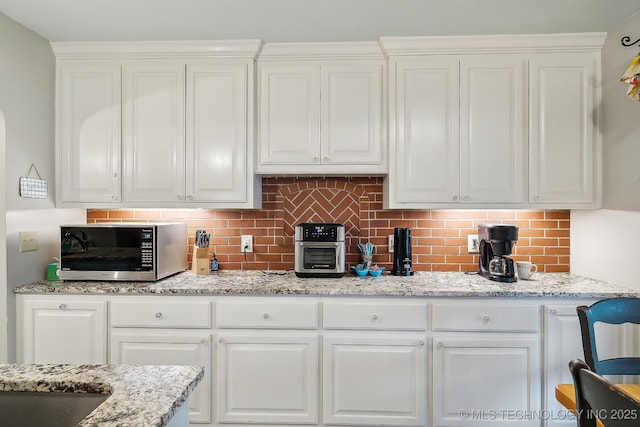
x=27, y=75
x=605, y=243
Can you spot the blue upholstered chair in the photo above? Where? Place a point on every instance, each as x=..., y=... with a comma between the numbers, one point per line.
x=613, y=311
x=597, y=397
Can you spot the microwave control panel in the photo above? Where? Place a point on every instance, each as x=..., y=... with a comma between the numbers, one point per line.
x=146, y=248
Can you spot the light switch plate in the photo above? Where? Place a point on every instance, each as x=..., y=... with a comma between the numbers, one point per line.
x=28, y=241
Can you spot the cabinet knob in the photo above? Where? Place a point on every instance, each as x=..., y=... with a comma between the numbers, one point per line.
x=421, y=343
x=536, y=198
x=180, y=197
x=552, y=311
x=315, y=159
x=115, y=174
x=220, y=340
x=114, y=197
x=440, y=345
x=63, y=306
x=203, y=340
x=374, y=317
x=265, y=316
x=466, y=198
x=158, y=315
x=189, y=197
x=486, y=319
x=454, y=197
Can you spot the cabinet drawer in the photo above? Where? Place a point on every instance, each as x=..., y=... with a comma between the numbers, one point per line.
x=478, y=317
x=161, y=314
x=267, y=314
x=375, y=315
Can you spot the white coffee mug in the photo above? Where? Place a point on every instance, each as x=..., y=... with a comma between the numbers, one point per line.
x=525, y=269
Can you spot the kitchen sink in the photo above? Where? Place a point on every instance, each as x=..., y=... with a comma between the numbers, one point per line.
x=51, y=409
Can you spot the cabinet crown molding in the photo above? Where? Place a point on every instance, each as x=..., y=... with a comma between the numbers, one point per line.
x=321, y=50
x=482, y=44
x=158, y=49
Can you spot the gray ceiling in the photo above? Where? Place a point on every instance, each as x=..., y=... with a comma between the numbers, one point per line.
x=308, y=20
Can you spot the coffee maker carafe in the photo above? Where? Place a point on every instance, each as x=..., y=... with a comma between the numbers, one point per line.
x=496, y=244
x=402, y=252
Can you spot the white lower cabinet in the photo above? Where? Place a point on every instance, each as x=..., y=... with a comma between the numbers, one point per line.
x=335, y=361
x=169, y=347
x=375, y=379
x=267, y=377
x=61, y=329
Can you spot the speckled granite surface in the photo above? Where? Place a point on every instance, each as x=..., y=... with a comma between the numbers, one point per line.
x=140, y=395
x=286, y=283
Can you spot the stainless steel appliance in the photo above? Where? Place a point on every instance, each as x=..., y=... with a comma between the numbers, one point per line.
x=402, y=264
x=122, y=251
x=319, y=250
x=496, y=244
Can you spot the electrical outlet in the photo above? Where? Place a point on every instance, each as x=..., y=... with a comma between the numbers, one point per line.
x=390, y=243
x=472, y=244
x=28, y=241
x=246, y=243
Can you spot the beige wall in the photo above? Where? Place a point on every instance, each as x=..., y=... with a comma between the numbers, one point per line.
x=27, y=75
x=605, y=244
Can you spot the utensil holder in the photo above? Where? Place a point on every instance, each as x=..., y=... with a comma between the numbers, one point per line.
x=366, y=261
x=200, y=261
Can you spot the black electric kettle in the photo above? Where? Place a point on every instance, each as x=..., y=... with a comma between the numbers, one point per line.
x=402, y=252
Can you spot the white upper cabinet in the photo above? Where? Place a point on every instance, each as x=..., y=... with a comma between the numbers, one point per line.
x=186, y=137
x=321, y=109
x=153, y=132
x=564, y=146
x=88, y=131
x=494, y=122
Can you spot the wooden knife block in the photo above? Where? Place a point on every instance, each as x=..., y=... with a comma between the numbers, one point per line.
x=200, y=260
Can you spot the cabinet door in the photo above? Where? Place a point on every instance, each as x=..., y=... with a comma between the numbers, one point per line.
x=216, y=149
x=483, y=380
x=375, y=379
x=62, y=330
x=289, y=113
x=88, y=122
x=563, y=343
x=493, y=118
x=351, y=111
x=267, y=378
x=424, y=156
x=161, y=347
x=564, y=142
x=153, y=132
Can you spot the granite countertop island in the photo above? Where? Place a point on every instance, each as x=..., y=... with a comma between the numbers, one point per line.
x=425, y=284
x=139, y=395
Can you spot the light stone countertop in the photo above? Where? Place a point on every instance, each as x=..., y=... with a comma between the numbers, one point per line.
x=140, y=395
x=422, y=284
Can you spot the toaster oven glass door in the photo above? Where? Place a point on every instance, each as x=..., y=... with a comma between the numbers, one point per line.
x=106, y=249
x=319, y=258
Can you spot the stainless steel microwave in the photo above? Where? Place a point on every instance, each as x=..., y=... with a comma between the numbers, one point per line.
x=122, y=251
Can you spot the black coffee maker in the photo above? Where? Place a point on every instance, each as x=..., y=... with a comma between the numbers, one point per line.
x=402, y=252
x=496, y=244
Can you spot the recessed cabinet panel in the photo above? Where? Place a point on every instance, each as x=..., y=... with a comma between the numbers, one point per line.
x=563, y=142
x=427, y=140
x=88, y=122
x=216, y=132
x=352, y=113
x=267, y=378
x=484, y=380
x=153, y=132
x=169, y=348
x=373, y=379
x=493, y=129
x=289, y=114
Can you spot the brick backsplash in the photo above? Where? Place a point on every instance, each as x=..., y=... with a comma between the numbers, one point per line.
x=439, y=237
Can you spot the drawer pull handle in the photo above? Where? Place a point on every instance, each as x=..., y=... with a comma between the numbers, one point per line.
x=486, y=319
x=158, y=315
x=265, y=316
x=374, y=317
x=63, y=306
